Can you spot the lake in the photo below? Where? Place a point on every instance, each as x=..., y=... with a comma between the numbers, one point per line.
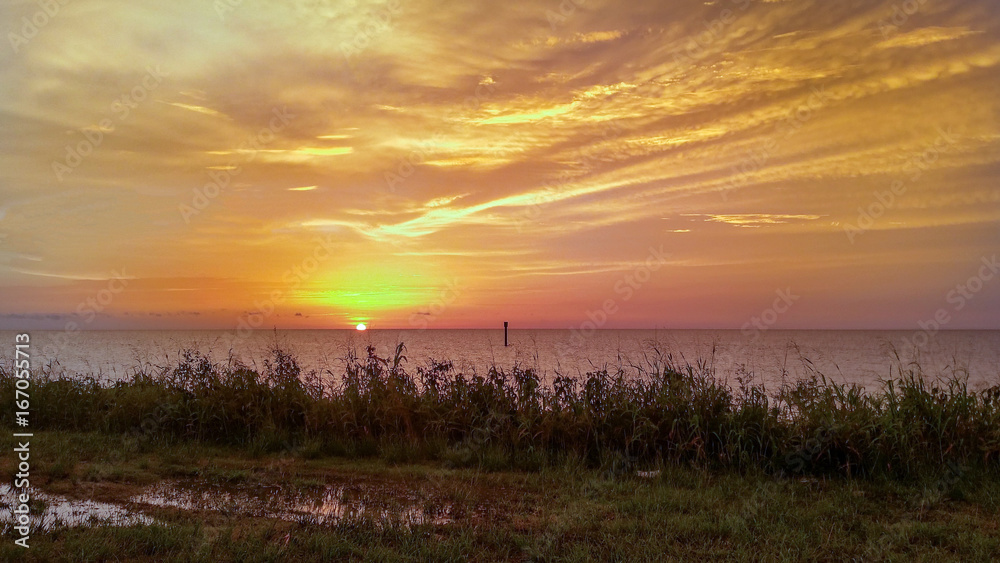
x=773, y=356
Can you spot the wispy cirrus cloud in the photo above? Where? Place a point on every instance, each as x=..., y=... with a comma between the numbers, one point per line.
x=543, y=151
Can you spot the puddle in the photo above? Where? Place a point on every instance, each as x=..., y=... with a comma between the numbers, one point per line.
x=314, y=505
x=49, y=511
x=317, y=505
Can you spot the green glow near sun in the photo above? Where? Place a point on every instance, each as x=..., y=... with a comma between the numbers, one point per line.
x=359, y=292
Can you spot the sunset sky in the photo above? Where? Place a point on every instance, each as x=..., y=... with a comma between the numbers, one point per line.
x=415, y=164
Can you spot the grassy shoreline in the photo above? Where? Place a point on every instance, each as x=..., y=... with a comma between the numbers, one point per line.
x=560, y=512
x=665, y=464
x=506, y=419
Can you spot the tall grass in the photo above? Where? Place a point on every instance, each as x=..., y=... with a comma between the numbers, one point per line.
x=663, y=414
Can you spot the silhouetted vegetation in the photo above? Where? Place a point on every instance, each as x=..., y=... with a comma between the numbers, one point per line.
x=510, y=419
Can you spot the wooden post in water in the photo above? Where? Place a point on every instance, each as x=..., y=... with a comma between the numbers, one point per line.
x=505, y=333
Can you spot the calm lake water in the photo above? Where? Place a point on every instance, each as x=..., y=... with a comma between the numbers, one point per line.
x=844, y=356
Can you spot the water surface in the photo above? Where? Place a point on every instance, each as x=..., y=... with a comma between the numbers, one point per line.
x=775, y=356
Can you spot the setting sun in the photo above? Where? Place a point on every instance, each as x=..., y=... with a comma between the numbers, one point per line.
x=361, y=326
x=537, y=165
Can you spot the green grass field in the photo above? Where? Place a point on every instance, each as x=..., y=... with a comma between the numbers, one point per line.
x=666, y=463
x=558, y=513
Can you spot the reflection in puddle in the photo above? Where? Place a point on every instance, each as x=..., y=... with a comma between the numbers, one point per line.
x=318, y=505
x=315, y=505
x=49, y=511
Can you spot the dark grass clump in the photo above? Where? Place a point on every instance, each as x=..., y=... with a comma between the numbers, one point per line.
x=660, y=415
